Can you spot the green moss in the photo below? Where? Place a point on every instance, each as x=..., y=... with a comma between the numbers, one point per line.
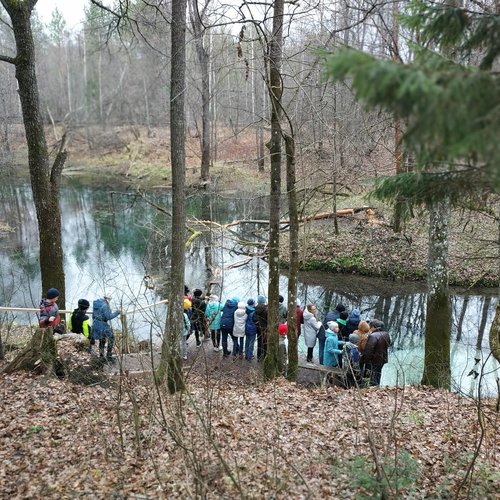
x=341, y=264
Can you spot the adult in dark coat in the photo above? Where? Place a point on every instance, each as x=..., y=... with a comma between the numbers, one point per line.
x=198, y=315
x=375, y=354
x=260, y=318
x=352, y=322
x=333, y=315
x=227, y=322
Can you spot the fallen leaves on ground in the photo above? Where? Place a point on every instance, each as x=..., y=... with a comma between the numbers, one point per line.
x=223, y=439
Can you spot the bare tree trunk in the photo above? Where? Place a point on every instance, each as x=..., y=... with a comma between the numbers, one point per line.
x=293, y=354
x=171, y=363
x=438, y=320
x=461, y=319
x=271, y=362
x=203, y=60
x=45, y=181
x=494, y=337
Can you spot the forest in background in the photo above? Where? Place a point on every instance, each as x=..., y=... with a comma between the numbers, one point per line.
x=115, y=72
x=332, y=145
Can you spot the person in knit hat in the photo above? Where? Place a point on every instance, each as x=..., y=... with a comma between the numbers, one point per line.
x=49, y=312
x=79, y=322
x=333, y=346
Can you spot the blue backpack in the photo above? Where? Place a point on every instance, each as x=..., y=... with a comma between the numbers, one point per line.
x=353, y=355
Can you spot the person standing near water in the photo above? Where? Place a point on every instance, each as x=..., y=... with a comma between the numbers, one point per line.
x=101, y=329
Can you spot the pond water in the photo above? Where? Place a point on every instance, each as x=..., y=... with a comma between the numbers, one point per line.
x=118, y=242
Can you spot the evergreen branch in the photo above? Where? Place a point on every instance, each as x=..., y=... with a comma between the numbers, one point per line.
x=423, y=188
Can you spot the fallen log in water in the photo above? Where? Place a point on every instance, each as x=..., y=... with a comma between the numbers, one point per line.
x=305, y=218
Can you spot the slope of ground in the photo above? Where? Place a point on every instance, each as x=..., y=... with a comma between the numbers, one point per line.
x=230, y=436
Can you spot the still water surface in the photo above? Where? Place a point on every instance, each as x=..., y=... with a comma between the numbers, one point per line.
x=113, y=240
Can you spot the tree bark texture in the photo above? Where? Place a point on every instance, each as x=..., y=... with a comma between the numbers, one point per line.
x=275, y=48
x=438, y=319
x=45, y=182
x=495, y=335
x=203, y=57
x=38, y=356
x=293, y=270
x=171, y=363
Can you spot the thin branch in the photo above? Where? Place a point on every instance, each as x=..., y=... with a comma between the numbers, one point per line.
x=7, y=59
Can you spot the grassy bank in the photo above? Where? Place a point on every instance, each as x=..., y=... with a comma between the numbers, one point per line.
x=371, y=248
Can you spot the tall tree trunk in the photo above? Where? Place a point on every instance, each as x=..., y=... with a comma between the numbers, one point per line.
x=171, y=363
x=293, y=354
x=45, y=181
x=271, y=362
x=461, y=318
x=203, y=57
x=494, y=336
x=398, y=153
x=438, y=320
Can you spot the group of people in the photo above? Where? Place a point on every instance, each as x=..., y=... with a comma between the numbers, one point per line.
x=345, y=337
x=79, y=321
x=342, y=337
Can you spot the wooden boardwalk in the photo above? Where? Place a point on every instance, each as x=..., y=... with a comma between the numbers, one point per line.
x=204, y=359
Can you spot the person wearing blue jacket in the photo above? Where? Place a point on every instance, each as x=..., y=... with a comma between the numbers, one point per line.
x=227, y=322
x=101, y=330
x=213, y=315
x=352, y=322
x=250, y=330
x=332, y=345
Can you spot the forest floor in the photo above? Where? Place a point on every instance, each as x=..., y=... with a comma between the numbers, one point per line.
x=232, y=435
x=366, y=245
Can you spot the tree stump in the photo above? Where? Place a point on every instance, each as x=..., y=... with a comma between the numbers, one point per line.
x=39, y=356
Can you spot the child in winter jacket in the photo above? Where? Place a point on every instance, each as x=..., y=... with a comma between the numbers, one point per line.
x=332, y=345
x=79, y=322
x=49, y=312
x=240, y=318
